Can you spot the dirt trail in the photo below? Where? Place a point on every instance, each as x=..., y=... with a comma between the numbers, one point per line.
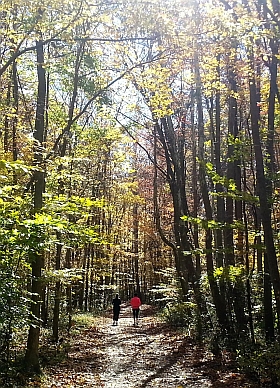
x=149, y=355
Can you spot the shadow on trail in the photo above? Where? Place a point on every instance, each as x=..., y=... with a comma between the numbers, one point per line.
x=171, y=359
x=116, y=356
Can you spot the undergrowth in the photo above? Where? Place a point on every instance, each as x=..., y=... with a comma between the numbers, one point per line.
x=13, y=371
x=260, y=362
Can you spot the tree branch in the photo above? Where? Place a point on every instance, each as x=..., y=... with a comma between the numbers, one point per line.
x=94, y=97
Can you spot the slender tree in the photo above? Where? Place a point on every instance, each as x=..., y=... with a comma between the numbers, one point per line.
x=32, y=351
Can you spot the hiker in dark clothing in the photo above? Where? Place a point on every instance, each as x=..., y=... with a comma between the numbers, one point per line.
x=116, y=309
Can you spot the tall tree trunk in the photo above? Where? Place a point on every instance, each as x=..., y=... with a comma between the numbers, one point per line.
x=68, y=257
x=219, y=187
x=135, y=247
x=176, y=180
x=15, y=108
x=87, y=274
x=267, y=304
x=232, y=124
x=7, y=120
x=195, y=184
x=217, y=299
x=61, y=189
x=264, y=194
x=57, y=293
x=234, y=209
x=270, y=164
x=32, y=351
x=81, y=292
x=247, y=262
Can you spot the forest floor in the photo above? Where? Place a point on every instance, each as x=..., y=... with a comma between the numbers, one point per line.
x=148, y=355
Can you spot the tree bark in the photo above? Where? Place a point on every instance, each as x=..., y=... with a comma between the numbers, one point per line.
x=32, y=351
x=176, y=178
x=218, y=301
x=195, y=185
x=57, y=293
x=15, y=119
x=271, y=168
x=267, y=304
x=219, y=187
x=232, y=124
x=263, y=194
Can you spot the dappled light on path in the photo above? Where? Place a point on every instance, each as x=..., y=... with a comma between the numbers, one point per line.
x=148, y=355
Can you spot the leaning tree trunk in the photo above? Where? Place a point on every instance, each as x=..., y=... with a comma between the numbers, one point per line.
x=32, y=351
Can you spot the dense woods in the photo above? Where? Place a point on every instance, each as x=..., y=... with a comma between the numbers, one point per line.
x=139, y=148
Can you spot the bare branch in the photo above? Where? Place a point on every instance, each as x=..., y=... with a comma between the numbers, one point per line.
x=94, y=97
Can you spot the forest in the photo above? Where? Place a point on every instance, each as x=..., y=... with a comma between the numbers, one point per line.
x=139, y=152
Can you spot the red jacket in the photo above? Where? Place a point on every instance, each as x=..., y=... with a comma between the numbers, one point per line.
x=135, y=302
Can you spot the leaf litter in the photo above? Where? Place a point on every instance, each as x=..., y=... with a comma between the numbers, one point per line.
x=148, y=355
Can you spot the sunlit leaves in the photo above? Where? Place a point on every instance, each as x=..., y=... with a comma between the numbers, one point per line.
x=232, y=273
x=66, y=276
x=154, y=82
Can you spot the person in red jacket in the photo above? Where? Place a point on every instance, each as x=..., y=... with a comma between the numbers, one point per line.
x=135, y=303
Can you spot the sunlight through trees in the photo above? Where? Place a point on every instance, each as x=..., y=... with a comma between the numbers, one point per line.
x=139, y=152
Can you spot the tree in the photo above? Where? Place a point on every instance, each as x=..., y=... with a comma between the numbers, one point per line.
x=32, y=351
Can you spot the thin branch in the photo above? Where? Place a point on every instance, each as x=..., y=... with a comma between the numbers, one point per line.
x=47, y=41
x=94, y=97
x=18, y=53
x=114, y=40
x=141, y=146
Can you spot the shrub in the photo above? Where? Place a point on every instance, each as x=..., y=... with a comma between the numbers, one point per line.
x=183, y=314
x=262, y=362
